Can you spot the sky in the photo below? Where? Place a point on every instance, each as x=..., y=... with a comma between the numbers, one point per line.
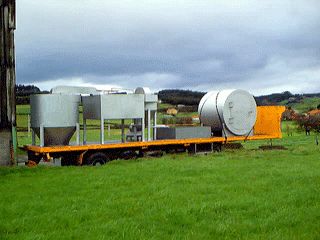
x=260, y=46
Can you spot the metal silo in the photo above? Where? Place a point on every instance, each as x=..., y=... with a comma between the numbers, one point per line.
x=231, y=112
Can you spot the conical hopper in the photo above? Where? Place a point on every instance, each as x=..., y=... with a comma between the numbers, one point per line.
x=58, y=114
x=57, y=135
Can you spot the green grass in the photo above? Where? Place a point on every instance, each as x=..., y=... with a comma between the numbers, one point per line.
x=240, y=194
x=165, y=106
x=23, y=109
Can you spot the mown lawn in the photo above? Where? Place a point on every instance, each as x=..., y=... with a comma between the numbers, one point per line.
x=239, y=194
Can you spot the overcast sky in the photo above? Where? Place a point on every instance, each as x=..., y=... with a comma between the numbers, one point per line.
x=261, y=46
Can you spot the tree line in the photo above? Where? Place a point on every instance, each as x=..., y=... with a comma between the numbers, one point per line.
x=187, y=97
x=184, y=97
x=177, y=96
x=23, y=93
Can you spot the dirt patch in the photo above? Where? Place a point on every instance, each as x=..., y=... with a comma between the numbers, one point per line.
x=274, y=147
x=233, y=146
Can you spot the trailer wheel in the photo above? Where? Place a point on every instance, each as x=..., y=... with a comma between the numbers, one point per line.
x=96, y=159
x=33, y=158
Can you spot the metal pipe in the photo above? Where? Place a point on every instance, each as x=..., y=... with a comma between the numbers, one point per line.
x=143, y=129
x=109, y=129
x=122, y=131
x=102, y=131
x=155, y=126
x=33, y=137
x=78, y=133
x=84, y=131
x=41, y=135
x=149, y=124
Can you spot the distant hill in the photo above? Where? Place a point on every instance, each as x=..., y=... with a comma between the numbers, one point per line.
x=300, y=102
x=277, y=98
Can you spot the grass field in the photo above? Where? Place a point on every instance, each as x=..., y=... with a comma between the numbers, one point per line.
x=234, y=194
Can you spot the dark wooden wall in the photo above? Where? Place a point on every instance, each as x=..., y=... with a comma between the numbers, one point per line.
x=7, y=77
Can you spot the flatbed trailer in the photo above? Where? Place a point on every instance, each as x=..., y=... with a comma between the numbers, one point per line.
x=267, y=126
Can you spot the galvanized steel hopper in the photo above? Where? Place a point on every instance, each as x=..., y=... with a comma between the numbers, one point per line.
x=57, y=114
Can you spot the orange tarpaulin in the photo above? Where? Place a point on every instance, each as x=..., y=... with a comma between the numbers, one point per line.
x=269, y=121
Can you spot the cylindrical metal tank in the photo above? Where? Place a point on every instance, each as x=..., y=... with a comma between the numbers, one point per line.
x=236, y=110
x=58, y=114
x=142, y=90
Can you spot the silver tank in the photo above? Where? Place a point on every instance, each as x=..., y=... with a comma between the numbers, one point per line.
x=58, y=114
x=142, y=90
x=236, y=110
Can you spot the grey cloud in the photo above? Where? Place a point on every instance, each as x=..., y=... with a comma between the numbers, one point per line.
x=180, y=44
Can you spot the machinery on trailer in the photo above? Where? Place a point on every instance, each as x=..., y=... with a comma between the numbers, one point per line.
x=54, y=118
x=226, y=116
x=228, y=112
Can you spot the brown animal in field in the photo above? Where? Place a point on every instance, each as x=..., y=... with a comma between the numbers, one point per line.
x=314, y=112
x=172, y=111
x=309, y=123
x=289, y=114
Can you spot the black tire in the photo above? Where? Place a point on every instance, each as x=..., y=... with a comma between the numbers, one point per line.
x=33, y=157
x=98, y=158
